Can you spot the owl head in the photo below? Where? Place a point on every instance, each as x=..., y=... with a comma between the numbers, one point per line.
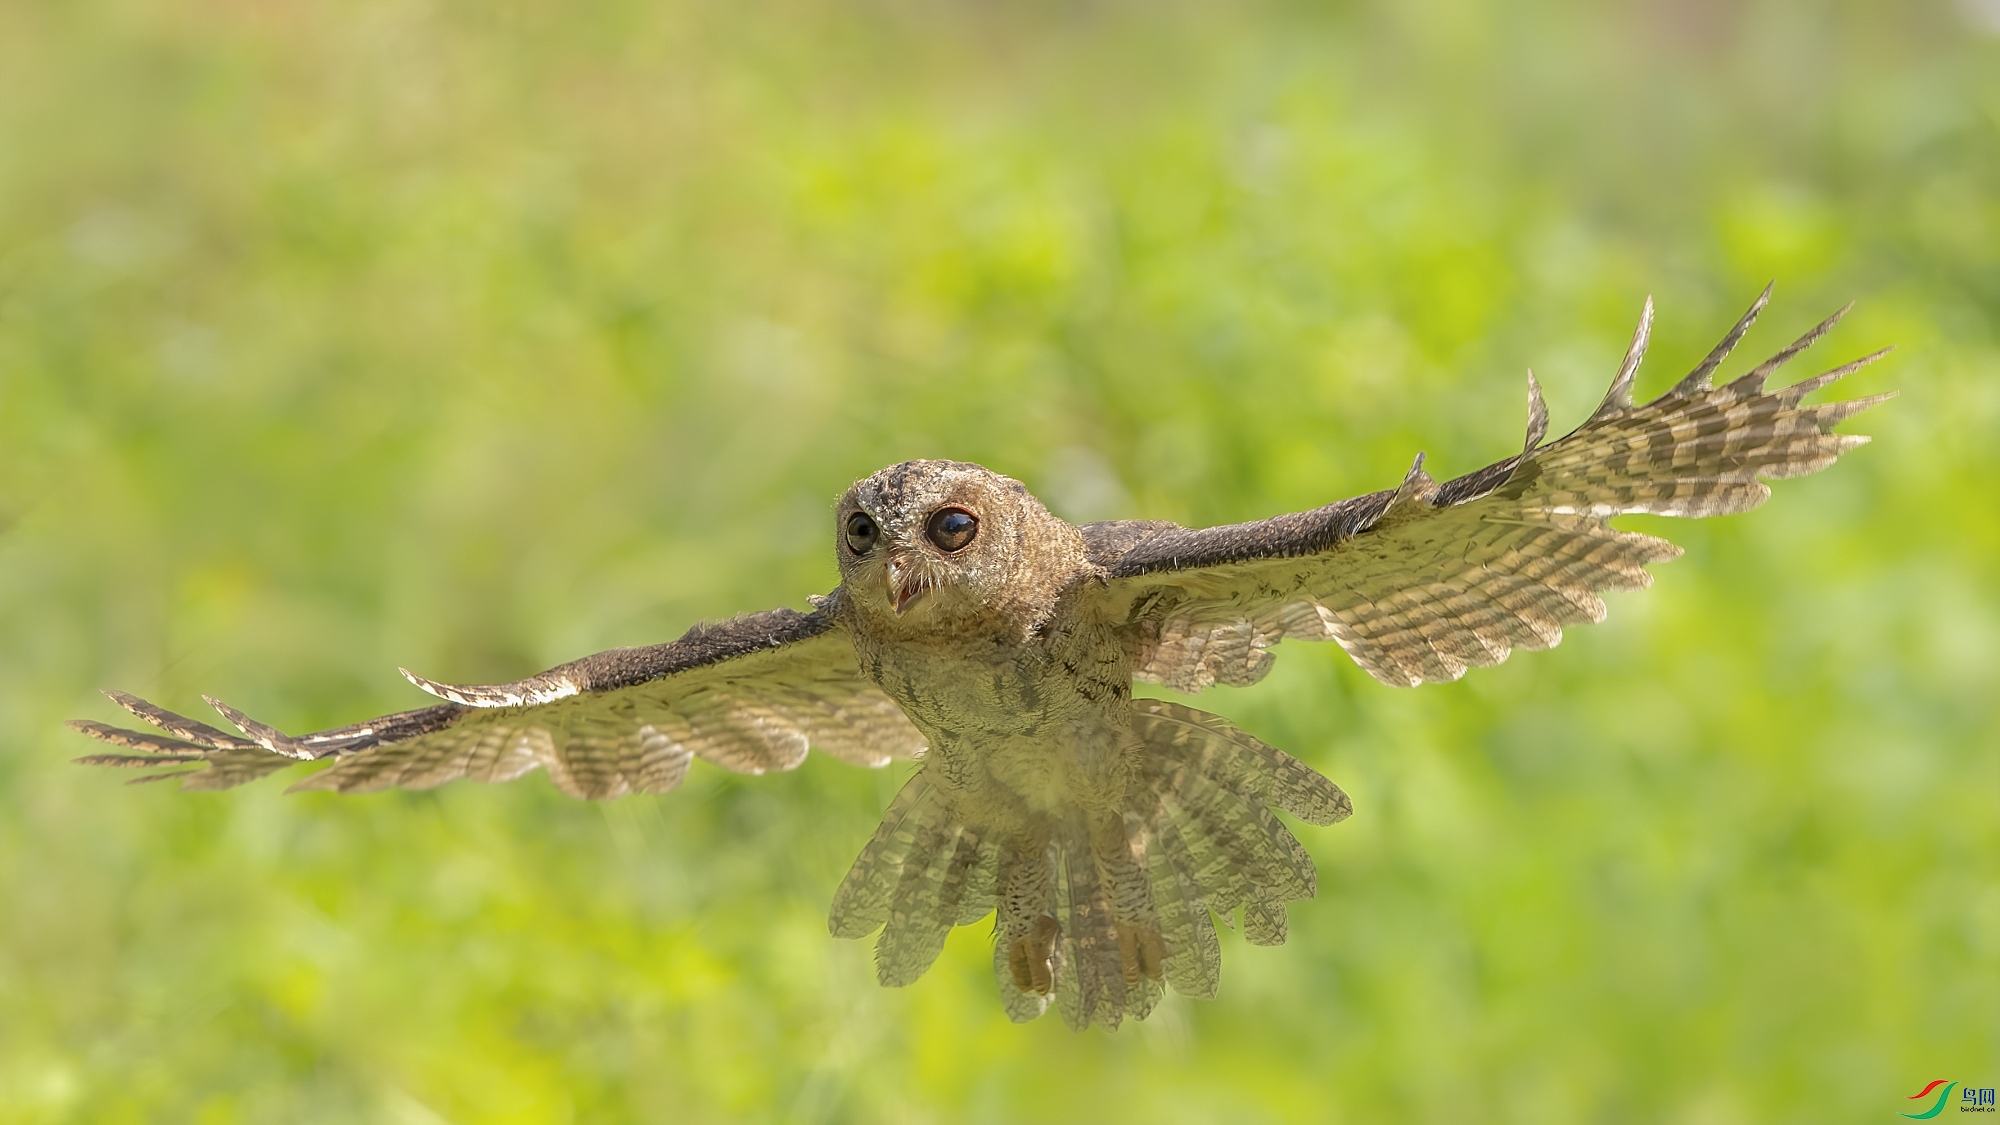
x=944, y=540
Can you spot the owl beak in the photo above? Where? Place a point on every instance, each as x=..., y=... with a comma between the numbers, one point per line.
x=904, y=588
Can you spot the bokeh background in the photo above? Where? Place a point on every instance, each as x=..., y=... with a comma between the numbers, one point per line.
x=474, y=337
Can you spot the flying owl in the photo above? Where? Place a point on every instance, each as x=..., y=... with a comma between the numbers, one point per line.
x=998, y=644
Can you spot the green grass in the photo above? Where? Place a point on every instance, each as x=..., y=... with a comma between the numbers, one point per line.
x=476, y=337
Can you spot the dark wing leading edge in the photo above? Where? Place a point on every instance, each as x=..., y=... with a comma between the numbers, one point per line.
x=750, y=695
x=1420, y=582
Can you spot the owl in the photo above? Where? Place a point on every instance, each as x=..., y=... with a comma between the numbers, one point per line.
x=998, y=645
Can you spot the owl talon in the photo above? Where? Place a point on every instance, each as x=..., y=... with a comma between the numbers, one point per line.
x=1032, y=958
x=1142, y=951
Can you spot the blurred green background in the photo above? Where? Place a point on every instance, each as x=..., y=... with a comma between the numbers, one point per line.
x=478, y=336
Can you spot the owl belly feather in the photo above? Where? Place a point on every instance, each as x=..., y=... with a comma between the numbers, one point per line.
x=1018, y=729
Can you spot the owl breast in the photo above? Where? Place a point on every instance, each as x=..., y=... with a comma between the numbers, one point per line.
x=1016, y=726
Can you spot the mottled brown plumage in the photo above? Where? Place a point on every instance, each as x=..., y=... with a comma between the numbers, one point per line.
x=974, y=629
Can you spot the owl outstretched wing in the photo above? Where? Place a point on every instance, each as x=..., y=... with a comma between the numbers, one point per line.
x=1420, y=582
x=750, y=695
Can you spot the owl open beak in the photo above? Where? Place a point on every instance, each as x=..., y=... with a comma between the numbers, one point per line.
x=904, y=587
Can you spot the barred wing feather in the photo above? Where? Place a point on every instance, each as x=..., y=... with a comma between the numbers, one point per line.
x=750, y=695
x=1421, y=582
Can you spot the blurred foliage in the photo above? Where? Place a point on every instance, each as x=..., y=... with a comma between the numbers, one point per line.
x=477, y=336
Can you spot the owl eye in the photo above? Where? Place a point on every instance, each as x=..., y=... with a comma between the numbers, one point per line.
x=952, y=528
x=861, y=532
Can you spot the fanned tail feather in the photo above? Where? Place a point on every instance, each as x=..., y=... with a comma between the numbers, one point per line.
x=1027, y=955
x=1100, y=911
x=1091, y=988
x=863, y=900
x=1192, y=961
x=931, y=898
x=1211, y=746
x=922, y=873
x=1198, y=835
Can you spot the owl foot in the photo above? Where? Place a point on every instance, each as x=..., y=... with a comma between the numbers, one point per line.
x=1032, y=958
x=1142, y=950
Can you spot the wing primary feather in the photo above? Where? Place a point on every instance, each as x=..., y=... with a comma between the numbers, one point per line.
x=526, y=693
x=1753, y=382
x=1697, y=381
x=1619, y=397
x=1834, y=413
x=1790, y=396
x=201, y=734
x=754, y=692
x=137, y=740
x=161, y=776
x=141, y=761
x=270, y=738
x=1498, y=560
x=1538, y=416
x=208, y=767
x=1417, y=484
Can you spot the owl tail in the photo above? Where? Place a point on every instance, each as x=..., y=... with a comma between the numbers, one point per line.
x=922, y=873
x=1100, y=911
x=1108, y=909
